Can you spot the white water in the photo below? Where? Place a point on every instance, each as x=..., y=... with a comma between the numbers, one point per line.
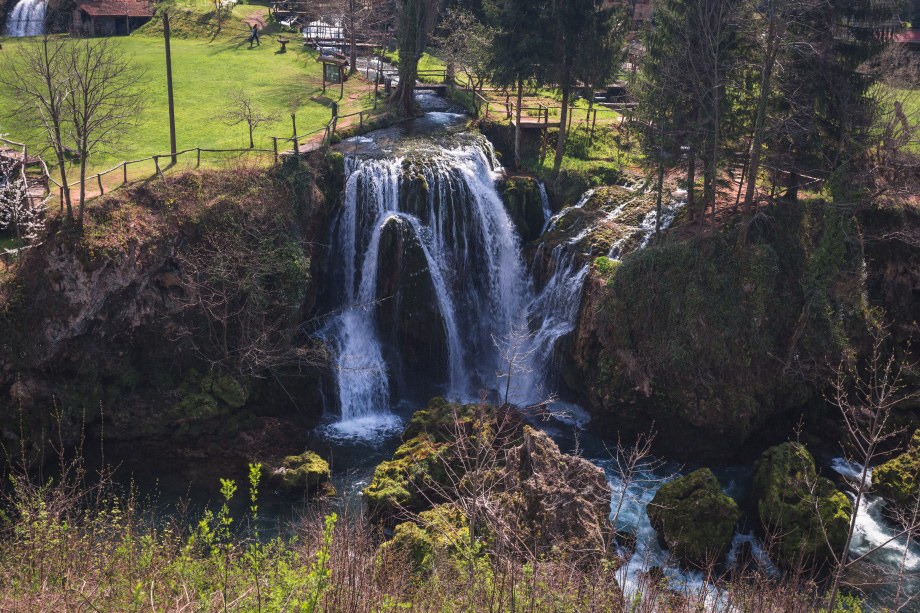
x=27, y=18
x=473, y=260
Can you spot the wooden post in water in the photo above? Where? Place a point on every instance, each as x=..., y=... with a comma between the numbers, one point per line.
x=169, y=89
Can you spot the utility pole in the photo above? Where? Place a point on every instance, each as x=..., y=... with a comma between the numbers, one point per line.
x=169, y=89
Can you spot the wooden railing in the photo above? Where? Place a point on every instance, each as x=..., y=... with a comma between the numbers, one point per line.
x=123, y=166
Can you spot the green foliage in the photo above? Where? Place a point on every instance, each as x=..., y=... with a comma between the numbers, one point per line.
x=606, y=267
x=803, y=511
x=694, y=518
x=898, y=479
x=704, y=333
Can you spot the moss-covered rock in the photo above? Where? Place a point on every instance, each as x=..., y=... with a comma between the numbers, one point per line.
x=694, y=519
x=306, y=472
x=205, y=399
x=442, y=530
x=789, y=496
x=524, y=204
x=898, y=479
x=226, y=389
x=706, y=337
x=400, y=483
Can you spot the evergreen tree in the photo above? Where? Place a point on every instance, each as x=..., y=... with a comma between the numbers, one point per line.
x=520, y=52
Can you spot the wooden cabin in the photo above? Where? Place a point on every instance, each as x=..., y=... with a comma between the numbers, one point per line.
x=110, y=17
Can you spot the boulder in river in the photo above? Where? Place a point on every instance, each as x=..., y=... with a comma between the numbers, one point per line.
x=800, y=511
x=694, y=519
x=898, y=479
x=306, y=472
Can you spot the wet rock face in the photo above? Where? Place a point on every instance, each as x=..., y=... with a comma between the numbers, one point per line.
x=524, y=205
x=898, y=479
x=408, y=316
x=799, y=510
x=694, y=519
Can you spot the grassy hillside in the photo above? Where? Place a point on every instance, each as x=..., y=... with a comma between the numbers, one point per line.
x=207, y=71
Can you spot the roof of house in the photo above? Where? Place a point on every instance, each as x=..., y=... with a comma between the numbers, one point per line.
x=910, y=37
x=117, y=8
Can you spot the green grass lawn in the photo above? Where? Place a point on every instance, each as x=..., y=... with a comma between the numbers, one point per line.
x=206, y=73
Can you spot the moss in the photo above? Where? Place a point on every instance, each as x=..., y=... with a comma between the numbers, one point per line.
x=787, y=490
x=606, y=267
x=442, y=530
x=898, y=479
x=694, y=519
x=706, y=337
x=304, y=472
x=225, y=388
x=399, y=482
x=196, y=407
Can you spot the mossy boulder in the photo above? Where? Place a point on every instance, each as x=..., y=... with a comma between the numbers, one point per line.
x=442, y=530
x=208, y=403
x=694, y=519
x=306, y=472
x=226, y=389
x=898, y=479
x=799, y=510
x=705, y=337
x=400, y=483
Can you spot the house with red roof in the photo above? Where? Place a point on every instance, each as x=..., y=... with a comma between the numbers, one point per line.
x=111, y=17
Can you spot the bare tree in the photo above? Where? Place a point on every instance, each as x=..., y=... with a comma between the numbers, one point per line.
x=866, y=395
x=242, y=110
x=104, y=100
x=38, y=76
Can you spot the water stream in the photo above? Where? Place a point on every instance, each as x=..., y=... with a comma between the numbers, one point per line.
x=27, y=18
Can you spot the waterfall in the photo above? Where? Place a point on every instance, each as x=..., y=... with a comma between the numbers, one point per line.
x=446, y=204
x=27, y=18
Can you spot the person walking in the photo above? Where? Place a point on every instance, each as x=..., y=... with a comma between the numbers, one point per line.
x=254, y=36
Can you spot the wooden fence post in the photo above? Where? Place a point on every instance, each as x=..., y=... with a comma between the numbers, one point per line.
x=198, y=159
x=275, y=148
x=361, y=120
x=156, y=162
x=124, y=173
x=99, y=180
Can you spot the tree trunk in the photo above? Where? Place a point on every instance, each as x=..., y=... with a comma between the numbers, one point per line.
x=560, y=141
x=757, y=141
x=83, y=157
x=517, y=127
x=353, y=57
x=412, y=35
x=691, y=182
x=252, y=144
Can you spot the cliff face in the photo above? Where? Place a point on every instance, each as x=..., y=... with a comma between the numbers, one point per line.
x=171, y=285
x=705, y=339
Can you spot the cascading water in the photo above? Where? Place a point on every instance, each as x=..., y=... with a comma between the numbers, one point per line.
x=446, y=203
x=27, y=18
